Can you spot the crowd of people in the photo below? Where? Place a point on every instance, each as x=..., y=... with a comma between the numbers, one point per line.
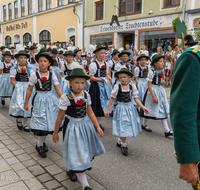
x=71, y=90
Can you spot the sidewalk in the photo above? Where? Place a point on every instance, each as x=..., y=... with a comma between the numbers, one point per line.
x=21, y=168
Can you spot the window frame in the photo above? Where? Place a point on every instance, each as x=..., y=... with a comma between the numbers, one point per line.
x=71, y=2
x=21, y=7
x=99, y=2
x=10, y=4
x=41, y=6
x=132, y=13
x=7, y=45
x=29, y=40
x=15, y=10
x=169, y=6
x=4, y=16
x=61, y=3
x=30, y=2
x=49, y=1
x=44, y=40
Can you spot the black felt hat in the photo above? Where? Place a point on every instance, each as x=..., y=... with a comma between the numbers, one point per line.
x=44, y=54
x=123, y=52
x=99, y=47
x=22, y=52
x=142, y=56
x=155, y=58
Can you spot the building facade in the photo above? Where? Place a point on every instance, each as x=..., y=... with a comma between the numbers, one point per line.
x=41, y=21
x=140, y=22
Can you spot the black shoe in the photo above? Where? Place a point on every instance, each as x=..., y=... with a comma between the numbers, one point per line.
x=87, y=188
x=45, y=147
x=27, y=130
x=101, y=127
x=118, y=145
x=19, y=127
x=111, y=114
x=72, y=175
x=170, y=133
x=146, y=128
x=41, y=151
x=3, y=102
x=124, y=150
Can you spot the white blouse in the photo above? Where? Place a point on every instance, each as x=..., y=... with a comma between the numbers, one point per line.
x=13, y=72
x=2, y=65
x=33, y=78
x=63, y=67
x=168, y=65
x=150, y=76
x=137, y=71
x=116, y=89
x=64, y=100
x=110, y=63
x=93, y=68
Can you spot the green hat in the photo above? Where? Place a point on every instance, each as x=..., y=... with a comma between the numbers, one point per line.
x=54, y=50
x=3, y=47
x=123, y=52
x=123, y=70
x=99, y=47
x=115, y=51
x=44, y=54
x=49, y=49
x=192, y=43
x=77, y=73
x=142, y=56
x=22, y=52
x=156, y=57
x=7, y=53
x=12, y=47
x=69, y=53
x=32, y=48
x=76, y=50
x=42, y=50
x=60, y=52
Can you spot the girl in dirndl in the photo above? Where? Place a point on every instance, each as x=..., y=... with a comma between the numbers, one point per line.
x=81, y=144
x=155, y=99
x=45, y=104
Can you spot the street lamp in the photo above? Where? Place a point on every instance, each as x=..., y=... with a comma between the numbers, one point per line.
x=74, y=11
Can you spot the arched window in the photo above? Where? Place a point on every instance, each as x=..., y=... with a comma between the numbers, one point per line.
x=8, y=41
x=26, y=39
x=44, y=37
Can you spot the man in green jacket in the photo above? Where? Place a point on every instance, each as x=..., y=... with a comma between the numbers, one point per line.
x=185, y=113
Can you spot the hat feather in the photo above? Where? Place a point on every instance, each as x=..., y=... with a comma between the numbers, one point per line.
x=75, y=65
x=20, y=47
x=29, y=44
x=91, y=47
x=47, y=46
x=120, y=49
x=72, y=48
x=53, y=47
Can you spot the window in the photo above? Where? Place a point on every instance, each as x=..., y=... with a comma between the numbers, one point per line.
x=48, y=4
x=106, y=39
x=22, y=7
x=71, y=1
x=171, y=3
x=45, y=36
x=99, y=10
x=26, y=39
x=10, y=11
x=4, y=13
x=40, y=5
x=30, y=10
x=16, y=9
x=130, y=7
x=61, y=2
x=8, y=41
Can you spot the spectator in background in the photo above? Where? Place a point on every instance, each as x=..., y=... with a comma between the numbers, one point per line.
x=160, y=50
x=143, y=50
x=109, y=52
x=127, y=47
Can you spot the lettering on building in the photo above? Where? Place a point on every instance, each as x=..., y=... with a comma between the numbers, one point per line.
x=16, y=27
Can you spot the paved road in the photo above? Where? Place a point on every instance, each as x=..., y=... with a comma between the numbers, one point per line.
x=151, y=162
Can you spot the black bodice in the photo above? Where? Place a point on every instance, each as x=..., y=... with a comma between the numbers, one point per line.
x=12, y=56
x=143, y=74
x=41, y=85
x=156, y=80
x=77, y=111
x=31, y=60
x=55, y=63
x=124, y=96
x=5, y=69
x=100, y=72
x=21, y=77
x=113, y=67
x=67, y=71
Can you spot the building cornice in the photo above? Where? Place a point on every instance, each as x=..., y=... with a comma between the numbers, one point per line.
x=193, y=11
x=43, y=12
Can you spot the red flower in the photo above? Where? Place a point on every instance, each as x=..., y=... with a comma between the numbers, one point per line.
x=103, y=66
x=31, y=57
x=146, y=69
x=54, y=59
x=25, y=64
x=44, y=79
x=161, y=75
x=79, y=102
x=24, y=71
x=126, y=65
x=9, y=67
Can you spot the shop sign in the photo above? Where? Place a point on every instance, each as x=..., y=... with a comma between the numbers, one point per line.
x=131, y=25
x=16, y=27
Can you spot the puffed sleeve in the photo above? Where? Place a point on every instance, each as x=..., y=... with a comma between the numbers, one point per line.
x=62, y=69
x=115, y=91
x=54, y=79
x=13, y=73
x=37, y=65
x=92, y=68
x=150, y=76
x=89, y=102
x=134, y=91
x=117, y=67
x=64, y=102
x=137, y=72
x=1, y=65
x=110, y=64
x=32, y=79
x=107, y=68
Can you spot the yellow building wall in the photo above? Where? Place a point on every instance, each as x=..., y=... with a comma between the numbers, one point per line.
x=20, y=31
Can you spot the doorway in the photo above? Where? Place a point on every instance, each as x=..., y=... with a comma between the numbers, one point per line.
x=128, y=39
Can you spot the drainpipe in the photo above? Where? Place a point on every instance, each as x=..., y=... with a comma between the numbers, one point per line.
x=83, y=22
x=184, y=7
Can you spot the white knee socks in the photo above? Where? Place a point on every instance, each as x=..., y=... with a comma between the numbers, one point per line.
x=41, y=140
x=165, y=125
x=83, y=179
x=144, y=122
x=19, y=120
x=24, y=123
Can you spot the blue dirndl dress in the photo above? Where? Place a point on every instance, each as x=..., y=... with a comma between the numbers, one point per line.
x=16, y=108
x=64, y=84
x=45, y=108
x=6, y=88
x=126, y=121
x=160, y=110
x=81, y=144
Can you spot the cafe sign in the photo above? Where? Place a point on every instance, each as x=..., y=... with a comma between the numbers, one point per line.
x=16, y=27
x=131, y=25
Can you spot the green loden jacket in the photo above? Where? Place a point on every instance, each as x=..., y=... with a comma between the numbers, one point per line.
x=185, y=106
